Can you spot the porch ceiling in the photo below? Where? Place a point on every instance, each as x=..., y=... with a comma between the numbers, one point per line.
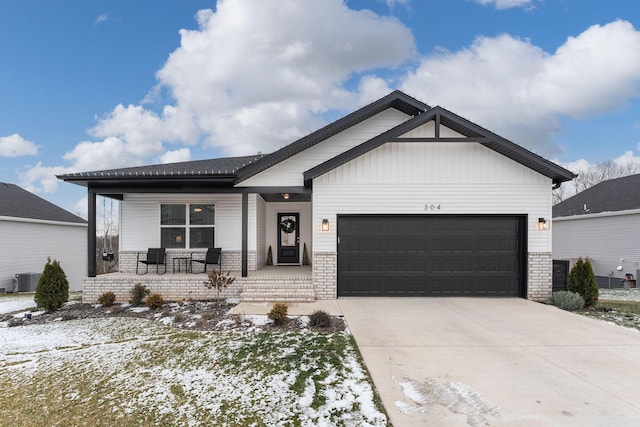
x=279, y=197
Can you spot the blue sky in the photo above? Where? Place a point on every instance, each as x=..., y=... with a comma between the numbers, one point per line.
x=107, y=84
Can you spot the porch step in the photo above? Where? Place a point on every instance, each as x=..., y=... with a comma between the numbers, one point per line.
x=277, y=289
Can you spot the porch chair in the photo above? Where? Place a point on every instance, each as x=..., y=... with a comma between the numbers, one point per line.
x=155, y=256
x=212, y=257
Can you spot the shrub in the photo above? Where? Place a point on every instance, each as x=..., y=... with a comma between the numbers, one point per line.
x=219, y=281
x=154, y=301
x=107, y=299
x=279, y=314
x=179, y=317
x=138, y=294
x=320, y=319
x=582, y=281
x=567, y=300
x=53, y=287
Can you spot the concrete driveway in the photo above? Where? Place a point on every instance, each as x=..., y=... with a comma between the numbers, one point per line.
x=486, y=361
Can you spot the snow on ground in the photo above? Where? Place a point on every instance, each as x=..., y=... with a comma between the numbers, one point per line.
x=618, y=294
x=459, y=398
x=15, y=302
x=190, y=378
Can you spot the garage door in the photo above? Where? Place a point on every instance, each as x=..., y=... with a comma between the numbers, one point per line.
x=431, y=255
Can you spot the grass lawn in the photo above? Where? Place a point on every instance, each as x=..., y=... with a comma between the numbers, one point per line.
x=623, y=313
x=123, y=371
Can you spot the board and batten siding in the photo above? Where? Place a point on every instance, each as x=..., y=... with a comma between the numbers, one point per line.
x=417, y=178
x=290, y=171
x=26, y=244
x=140, y=219
x=603, y=238
x=261, y=236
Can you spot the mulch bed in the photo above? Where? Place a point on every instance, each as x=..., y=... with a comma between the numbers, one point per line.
x=189, y=315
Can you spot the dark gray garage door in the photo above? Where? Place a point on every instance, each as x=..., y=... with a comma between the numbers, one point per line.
x=431, y=255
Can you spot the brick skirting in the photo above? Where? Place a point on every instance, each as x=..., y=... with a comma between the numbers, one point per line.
x=540, y=276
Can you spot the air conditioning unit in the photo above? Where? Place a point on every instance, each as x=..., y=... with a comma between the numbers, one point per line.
x=27, y=282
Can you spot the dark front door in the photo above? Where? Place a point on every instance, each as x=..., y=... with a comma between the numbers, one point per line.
x=288, y=238
x=431, y=255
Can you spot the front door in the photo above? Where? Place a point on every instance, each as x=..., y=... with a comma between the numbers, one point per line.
x=288, y=238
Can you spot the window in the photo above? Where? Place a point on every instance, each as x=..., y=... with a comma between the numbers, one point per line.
x=187, y=226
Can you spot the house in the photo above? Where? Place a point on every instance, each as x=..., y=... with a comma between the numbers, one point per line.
x=395, y=199
x=601, y=223
x=33, y=229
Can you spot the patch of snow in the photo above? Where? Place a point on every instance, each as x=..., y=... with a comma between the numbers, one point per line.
x=459, y=398
x=139, y=309
x=257, y=319
x=11, y=303
x=632, y=294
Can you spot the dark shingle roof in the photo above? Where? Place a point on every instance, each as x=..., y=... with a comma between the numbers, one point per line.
x=221, y=168
x=614, y=195
x=19, y=203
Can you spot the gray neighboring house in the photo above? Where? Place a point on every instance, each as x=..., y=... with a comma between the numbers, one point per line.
x=601, y=223
x=32, y=229
x=398, y=198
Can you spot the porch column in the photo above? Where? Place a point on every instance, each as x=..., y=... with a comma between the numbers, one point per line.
x=91, y=233
x=245, y=232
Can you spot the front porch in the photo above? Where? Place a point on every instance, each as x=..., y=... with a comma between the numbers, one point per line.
x=268, y=284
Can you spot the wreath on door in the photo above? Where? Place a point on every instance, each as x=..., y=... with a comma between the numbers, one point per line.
x=288, y=226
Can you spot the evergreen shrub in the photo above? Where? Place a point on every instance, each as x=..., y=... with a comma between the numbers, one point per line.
x=53, y=287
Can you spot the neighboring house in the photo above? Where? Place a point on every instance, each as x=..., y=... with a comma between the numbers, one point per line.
x=31, y=230
x=602, y=223
x=395, y=199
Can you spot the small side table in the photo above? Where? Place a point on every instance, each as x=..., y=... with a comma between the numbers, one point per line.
x=179, y=260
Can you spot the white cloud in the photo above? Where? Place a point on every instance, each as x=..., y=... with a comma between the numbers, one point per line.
x=515, y=88
x=81, y=208
x=507, y=4
x=628, y=158
x=267, y=88
x=176, y=156
x=100, y=19
x=16, y=146
x=41, y=179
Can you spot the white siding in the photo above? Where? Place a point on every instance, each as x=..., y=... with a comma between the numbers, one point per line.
x=261, y=235
x=26, y=246
x=460, y=178
x=140, y=219
x=304, y=208
x=289, y=171
x=604, y=239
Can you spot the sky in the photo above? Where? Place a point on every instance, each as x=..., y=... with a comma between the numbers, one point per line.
x=105, y=84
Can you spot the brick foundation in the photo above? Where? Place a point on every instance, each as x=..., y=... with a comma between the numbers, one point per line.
x=540, y=276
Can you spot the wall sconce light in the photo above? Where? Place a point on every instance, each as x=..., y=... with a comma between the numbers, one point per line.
x=325, y=225
x=285, y=196
x=620, y=267
x=543, y=224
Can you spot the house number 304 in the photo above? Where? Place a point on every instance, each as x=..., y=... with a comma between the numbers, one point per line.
x=432, y=207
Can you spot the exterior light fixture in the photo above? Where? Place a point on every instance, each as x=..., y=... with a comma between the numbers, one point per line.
x=198, y=210
x=543, y=224
x=325, y=225
x=285, y=196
